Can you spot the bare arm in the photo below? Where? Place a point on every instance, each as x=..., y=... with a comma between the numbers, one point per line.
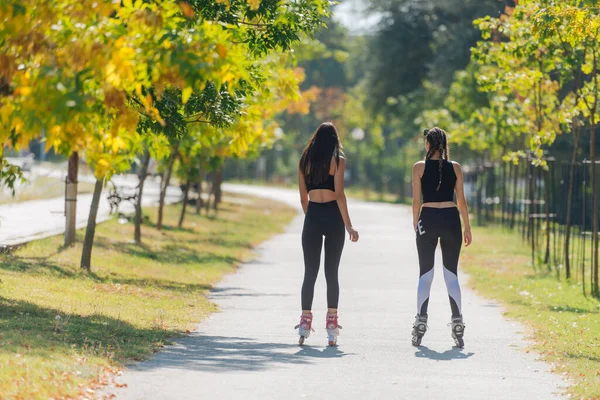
x=416, y=185
x=341, y=199
x=462, y=203
x=303, y=191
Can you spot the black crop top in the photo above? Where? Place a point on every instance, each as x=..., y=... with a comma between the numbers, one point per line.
x=431, y=179
x=328, y=184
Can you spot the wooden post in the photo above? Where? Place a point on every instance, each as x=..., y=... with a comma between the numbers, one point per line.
x=71, y=199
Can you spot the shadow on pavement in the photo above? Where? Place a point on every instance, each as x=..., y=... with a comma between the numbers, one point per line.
x=222, y=354
x=225, y=292
x=453, y=354
x=327, y=352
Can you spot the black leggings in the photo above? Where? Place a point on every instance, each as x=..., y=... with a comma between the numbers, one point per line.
x=443, y=224
x=322, y=219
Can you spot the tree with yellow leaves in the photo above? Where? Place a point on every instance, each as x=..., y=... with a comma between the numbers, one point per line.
x=97, y=76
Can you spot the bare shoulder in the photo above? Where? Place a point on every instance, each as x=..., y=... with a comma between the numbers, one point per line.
x=418, y=169
x=336, y=165
x=419, y=165
x=457, y=167
x=340, y=161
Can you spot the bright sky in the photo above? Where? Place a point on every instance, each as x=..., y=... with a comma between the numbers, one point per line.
x=351, y=13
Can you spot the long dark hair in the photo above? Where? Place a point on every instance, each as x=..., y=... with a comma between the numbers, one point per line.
x=436, y=137
x=316, y=157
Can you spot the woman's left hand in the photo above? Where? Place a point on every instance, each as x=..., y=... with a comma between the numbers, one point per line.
x=353, y=233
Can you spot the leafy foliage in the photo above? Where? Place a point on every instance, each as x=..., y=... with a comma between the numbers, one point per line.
x=10, y=175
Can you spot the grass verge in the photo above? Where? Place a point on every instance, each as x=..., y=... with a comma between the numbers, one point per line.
x=352, y=192
x=42, y=188
x=366, y=194
x=63, y=330
x=565, y=323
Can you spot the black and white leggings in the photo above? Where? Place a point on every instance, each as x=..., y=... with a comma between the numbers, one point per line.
x=443, y=224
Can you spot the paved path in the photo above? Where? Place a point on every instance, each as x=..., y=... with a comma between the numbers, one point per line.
x=248, y=350
x=36, y=219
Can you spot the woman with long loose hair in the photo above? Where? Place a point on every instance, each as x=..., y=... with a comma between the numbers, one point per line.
x=321, y=184
x=437, y=179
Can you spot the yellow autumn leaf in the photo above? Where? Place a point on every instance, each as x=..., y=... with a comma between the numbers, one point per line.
x=185, y=94
x=127, y=3
x=118, y=144
x=23, y=91
x=227, y=75
x=254, y=4
x=138, y=89
x=102, y=167
x=17, y=125
x=186, y=9
x=5, y=111
x=221, y=50
x=47, y=146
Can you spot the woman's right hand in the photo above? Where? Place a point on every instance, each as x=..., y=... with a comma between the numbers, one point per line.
x=353, y=233
x=468, y=238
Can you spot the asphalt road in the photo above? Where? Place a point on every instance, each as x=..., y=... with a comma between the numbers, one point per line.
x=248, y=350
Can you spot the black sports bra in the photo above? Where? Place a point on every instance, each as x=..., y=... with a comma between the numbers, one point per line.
x=328, y=184
x=431, y=179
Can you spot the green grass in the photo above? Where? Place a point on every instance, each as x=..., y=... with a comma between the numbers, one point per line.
x=41, y=188
x=366, y=194
x=65, y=331
x=353, y=192
x=565, y=324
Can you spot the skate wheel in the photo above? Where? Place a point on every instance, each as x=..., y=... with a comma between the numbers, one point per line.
x=301, y=340
x=332, y=343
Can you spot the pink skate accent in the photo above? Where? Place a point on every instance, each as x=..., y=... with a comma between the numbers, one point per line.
x=332, y=321
x=305, y=322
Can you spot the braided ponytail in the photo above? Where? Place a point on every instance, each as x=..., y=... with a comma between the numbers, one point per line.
x=437, y=142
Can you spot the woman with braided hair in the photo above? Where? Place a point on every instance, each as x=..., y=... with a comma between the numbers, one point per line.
x=437, y=219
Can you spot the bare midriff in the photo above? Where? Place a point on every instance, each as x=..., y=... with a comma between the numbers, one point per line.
x=321, y=196
x=440, y=204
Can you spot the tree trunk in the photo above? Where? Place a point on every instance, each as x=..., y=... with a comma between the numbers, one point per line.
x=594, y=207
x=209, y=192
x=477, y=184
x=514, y=195
x=531, y=211
x=503, y=202
x=164, y=186
x=583, y=227
x=380, y=177
x=547, y=212
x=570, y=201
x=186, y=193
x=88, y=243
x=217, y=181
x=71, y=199
x=199, y=199
x=138, y=205
x=593, y=112
x=523, y=212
